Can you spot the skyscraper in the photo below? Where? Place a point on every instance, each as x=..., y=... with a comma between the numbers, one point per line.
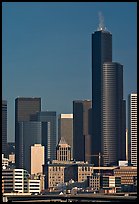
x=30, y=133
x=49, y=140
x=81, y=136
x=4, y=127
x=108, y=109
x=24, y=107
x=65, y=128
x=132, y=123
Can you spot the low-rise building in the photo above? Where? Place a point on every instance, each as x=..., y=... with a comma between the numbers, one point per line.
x=34, y=186
x=126, y=173
x=15, y=180
x=59, y=172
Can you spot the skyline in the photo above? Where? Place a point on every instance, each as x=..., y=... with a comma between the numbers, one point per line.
x=56, y=38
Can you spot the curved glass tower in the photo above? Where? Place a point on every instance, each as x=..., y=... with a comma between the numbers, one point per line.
x=112, y=99
x=108, y=107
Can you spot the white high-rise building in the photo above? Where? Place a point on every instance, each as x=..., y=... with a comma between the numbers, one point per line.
x=132, y=120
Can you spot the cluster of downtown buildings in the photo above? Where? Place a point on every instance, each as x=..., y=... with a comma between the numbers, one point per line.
x=90, y=141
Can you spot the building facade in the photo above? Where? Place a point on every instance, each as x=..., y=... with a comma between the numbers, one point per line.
x=4, y=127
x=65, y=129
x=132, y=120
x=81, y=134
x=49, y=139
x=107, y=89
x=37, y=158
x=57, y=173
x=113, y=114
x=63, y=151
x=15, y=180
x=24, y=107
x=30, y=133
x=127, y=174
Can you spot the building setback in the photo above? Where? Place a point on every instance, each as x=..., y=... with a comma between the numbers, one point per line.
x=81, y=130
x=4, y=127
x=107, y=96
x=132, y=123
x=24, y=107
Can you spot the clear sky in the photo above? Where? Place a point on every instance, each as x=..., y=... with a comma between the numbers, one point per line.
x=46, y=51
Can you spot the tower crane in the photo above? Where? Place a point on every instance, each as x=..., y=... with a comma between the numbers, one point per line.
x=99, y=155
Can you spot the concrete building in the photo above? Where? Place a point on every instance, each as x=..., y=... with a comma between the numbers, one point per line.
x=94, y=181
x=111, y=182
x=108, y=109
x=127, y=174
x=132, y=123
x=34, y=186
x=65, y=129
x=15, y=180
x=4, y=127
x=63, y=151
x=37, y=158
x=81, y=130
x=5, y=162
x=60, y=172
x=24, y=107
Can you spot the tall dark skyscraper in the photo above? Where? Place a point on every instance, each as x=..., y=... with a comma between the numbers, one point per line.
x=30, y=133
x=4, y=127
x=49, y=141
x=81, y=136
x=108, y=110
x=24, y=107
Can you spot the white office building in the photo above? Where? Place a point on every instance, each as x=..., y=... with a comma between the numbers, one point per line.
x=15, y=180
x=132, y=120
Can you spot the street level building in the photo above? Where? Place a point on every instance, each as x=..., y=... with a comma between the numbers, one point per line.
x=15, y=180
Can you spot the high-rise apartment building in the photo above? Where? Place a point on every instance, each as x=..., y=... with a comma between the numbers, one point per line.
x=24, y=107
x=37, y=158
x=65, y=128
x=108, y=109
x=132, y=121
x=81, y=135
x=4, y=127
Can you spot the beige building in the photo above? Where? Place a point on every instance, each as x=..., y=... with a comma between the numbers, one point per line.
x=127, y=174
x=59, y=172
x=12, y=158
x=63, y=151
x=37, y=158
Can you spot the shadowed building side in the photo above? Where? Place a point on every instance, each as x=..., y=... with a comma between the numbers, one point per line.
x=81, y=137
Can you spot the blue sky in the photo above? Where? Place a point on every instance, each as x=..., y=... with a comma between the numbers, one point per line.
x=46, y=50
